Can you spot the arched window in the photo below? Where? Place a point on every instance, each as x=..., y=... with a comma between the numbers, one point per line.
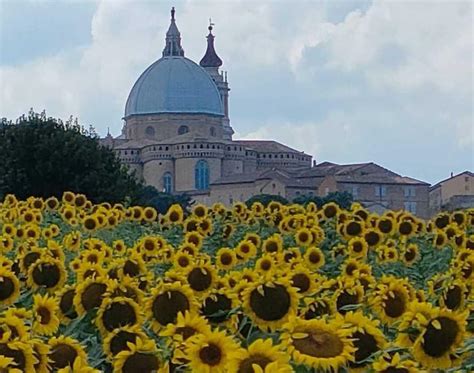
x=150, y=131
x=201, y=175
x=213, y=132
x=167, y=182
x=182, y=130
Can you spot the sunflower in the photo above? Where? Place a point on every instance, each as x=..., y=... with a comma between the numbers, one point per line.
x=89, y=270
x=118, y=340
x=410, y=254
x=357, y=247
x=9, y=287
x=90, y=294
x=200, y=277
x=316, y=307
x=14, y=327
x=116, y=313
x=140, y=357
x=40, y=355
x=187, y=325
x=303, y=237
x=90, y=223
x=7, y=365
x=390, y=300
x=349, y=294
x=217, y=306
x=66, y=311
x=439, y=339
x=454, y=295
x=48, y=273
x=78, y=366
x=318, y=343
x=175, y=214
x=302, y=279
x=387, y=363
x=314, y=258
x=366, y=336
x=125, y=287
x=21, y=353
x=246, y=249
x=210, y=352
x=352, y=228
x=330, y=210
x=261, y=353
x=273, y=244
x=254, y=238
x=440, y=239
x=386, y=225
x=167, y=300
x=226, y=258
x=45, y=309
x=270, y=303
x=265, y=264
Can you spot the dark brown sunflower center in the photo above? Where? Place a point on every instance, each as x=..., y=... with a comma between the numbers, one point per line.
x=271, y=247
x=372, y=238
x=215, y=309
x=357, y=247
x=245, y=249
x=117, y=315
x=131, y=268
x=353, y=228
x=330, y=211
x=149, y=245
x=301, y=281
x=317, y=309
x=272, y=303
x=7, y=288
x=211, y=354
x=395, y=305
x=165, y=307
x=366, y=345
x=92, y=296
x=265, y=265
x=437, y=342
x=119, y=342
x=319, y=343
x=127, y=292
x=385, y=225
x=90, y=224
x=199, y=279
x=44, y=315
x=46, y=274
x=405, y=228
x=303, y=237
x=245, y=365
x=183, y=261
x=62, y=355
x=346, y=299
x=314, y=258
x=141, y=362
x=17, y=355
x=186, y=331
x=453, y=297
x=226, y=259
x=410, y=255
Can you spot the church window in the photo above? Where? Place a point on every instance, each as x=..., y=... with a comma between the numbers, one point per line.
x=182, y=130
x=166, y=148
x=167, y=182
x=201, y=146
x=150, y=131
x=213, y=131
x=201, y=175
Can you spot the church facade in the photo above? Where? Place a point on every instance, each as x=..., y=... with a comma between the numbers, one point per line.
x=178, y=138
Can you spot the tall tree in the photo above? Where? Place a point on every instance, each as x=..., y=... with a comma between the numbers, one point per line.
x=44, y=157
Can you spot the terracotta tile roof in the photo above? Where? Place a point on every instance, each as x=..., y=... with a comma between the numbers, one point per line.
x=438, y=184
x=267, y=146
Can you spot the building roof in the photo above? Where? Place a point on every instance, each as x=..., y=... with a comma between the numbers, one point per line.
x=269, y=146
x=464, y=173
x=268, y=174
x=210, y=59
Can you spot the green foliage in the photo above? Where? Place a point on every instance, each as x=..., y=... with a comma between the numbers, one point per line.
x=343, y=199
x=265, y=199
x=150, y=196
x=45, y=157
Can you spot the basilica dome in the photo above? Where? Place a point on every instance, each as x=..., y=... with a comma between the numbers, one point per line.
x=174, y=84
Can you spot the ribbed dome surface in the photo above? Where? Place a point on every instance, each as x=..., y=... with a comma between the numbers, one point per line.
x=174, y=85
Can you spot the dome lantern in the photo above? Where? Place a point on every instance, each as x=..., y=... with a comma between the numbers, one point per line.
x=210, y=59
x=173, y=39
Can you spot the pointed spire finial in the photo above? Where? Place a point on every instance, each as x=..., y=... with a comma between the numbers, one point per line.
x=210, y=59
x=172, y=13
x=173, y=39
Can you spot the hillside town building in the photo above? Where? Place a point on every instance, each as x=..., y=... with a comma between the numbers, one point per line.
x=178, y=138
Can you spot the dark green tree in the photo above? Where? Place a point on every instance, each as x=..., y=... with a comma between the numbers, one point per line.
x=150, y=196
x=342, y=199
x=44, y=157
x=265, y=199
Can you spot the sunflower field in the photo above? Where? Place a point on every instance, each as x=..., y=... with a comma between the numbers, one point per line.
x=282, y=288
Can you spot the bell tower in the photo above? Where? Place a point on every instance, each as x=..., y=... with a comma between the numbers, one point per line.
x=211, y=63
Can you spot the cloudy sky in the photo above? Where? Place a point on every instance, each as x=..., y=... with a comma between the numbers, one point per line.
x=346, y=81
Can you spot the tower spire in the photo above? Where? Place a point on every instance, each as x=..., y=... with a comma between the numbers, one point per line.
x=210, y=59
x=173, y=39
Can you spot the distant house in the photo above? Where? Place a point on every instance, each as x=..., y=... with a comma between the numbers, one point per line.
x=453, y=193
